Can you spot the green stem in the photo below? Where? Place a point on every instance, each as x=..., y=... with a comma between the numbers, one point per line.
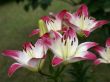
x=47, y=75
x=61, y=70
x=55, y=76
x=58, y=74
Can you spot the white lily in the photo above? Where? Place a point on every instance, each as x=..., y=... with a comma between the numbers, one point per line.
x=83, y=24
x=65, y=48
x=104, y=53
x=32, y=57
x=54, y=22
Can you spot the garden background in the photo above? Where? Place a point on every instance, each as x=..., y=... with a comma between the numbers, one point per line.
x=19, y=17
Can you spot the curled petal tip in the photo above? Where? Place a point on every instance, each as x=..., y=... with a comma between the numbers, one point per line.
x=13, y=68
x=101, y=22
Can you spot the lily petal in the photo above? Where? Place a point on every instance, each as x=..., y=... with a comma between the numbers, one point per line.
x=33, y=62
x=99, y=49
x=12, y=53
x=45, y=18
x=13, y=68
x=61, y=14
x=40, y=49
x=83, y=10
x=86, y=33
x=70, y=33
x=85, y=46
x=89, y=55
x=86, y=55
x=102, y=52
x=34, y=32
x=99, y=24
x=99, y=61
x=46, y=39
x=56, y=61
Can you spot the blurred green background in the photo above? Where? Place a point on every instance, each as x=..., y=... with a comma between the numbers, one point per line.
x=19, y=17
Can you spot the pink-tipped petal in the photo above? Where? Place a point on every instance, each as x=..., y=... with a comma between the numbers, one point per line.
x=99, y=49
x=85, y=46
x=86, y=33
x=108, y=42
x=12, y=53
x=61, y=14
x=100, y=23
x=86, y=55
x=55, y=35
x=34, y=32
x=46, y=39
x=45, y=18
x=69, y=33
x=13, y=68
x=56, y=61
x=83, y=10
x=68, y=15
x=89, y=55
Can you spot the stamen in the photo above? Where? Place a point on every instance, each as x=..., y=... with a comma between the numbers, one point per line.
x=61, y=39
x=65, y=42
x=84, y=18
x=71, y=43
x=52, y=21
x=74, y=39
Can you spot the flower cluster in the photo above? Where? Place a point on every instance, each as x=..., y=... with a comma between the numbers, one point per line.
x=58, y=32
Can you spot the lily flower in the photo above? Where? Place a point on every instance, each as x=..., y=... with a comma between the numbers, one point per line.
x=54, y=22
x=82, y=23
x=103, y=52
x=48, y=23
x=32, y=57
x=66, y=49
